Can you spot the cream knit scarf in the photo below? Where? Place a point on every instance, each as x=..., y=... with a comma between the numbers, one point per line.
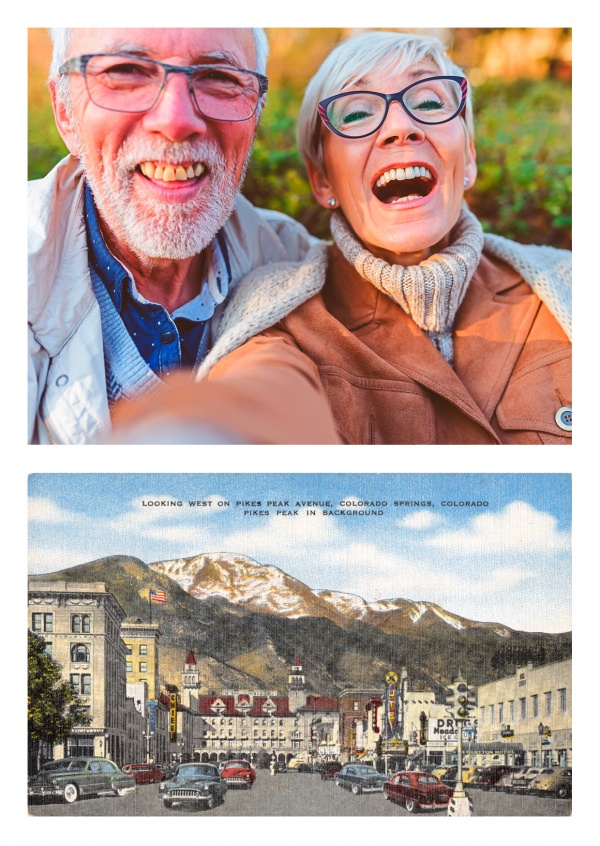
x=430, y=292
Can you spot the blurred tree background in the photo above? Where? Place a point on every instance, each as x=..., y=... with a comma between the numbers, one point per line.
x=521, y=79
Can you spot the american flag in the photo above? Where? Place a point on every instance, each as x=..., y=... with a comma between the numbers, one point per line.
x=157, y=596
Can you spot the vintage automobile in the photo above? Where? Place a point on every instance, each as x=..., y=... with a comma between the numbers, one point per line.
x=417, y=791
x=507, y=779
x=330, y=769
x=555, y=781
x=72, y=778
x=521, y=780
x=144, y=773
x=490, y=777
x=360, y=779
x=238, y=774
x=194, y=785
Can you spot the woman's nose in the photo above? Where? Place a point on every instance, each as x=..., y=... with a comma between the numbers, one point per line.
x=399, y=127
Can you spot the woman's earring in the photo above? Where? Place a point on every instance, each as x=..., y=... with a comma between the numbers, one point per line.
x=466, y=181
x=332, y=202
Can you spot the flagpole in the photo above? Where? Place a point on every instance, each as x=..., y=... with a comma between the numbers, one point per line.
x=150, y=603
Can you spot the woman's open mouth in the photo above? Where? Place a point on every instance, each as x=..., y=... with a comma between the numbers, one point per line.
x=402, y=185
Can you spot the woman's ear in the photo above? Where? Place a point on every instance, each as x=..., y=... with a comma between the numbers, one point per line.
x=64, y=120
x=320, y=185
x=470, y=164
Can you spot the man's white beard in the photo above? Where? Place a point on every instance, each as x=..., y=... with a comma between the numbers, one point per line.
x=160, y=229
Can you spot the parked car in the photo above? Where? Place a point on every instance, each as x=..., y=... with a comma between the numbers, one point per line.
x=489, y=777
x=168, y=770
x=71, y=778
x=507, y=779
x=555, y=781
x=360, y=779
x=470, y=774
x=521, y=780
x=449, y=776
x=440, y=772
x=304, y=768
x=193, y=785
x=144, y=773
x=238, y=774
x=417, y=791
x=330, y=769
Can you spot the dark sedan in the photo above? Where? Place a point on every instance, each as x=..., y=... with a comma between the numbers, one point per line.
x=71, y=778
x=330, y=769
x=360, y=778
x=417, y=791
x=193, y=785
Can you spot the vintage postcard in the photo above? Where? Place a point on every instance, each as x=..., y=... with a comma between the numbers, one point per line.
x=311, y=645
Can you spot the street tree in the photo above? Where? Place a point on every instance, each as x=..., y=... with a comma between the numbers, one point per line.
x=53, y=708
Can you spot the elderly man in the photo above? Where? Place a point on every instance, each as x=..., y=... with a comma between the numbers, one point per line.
x=139, y=236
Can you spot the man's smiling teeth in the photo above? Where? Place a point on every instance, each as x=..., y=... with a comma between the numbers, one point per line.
x=403, y=173
x=171, y=173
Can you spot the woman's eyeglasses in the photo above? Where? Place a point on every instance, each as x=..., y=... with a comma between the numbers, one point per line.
x=356, y=114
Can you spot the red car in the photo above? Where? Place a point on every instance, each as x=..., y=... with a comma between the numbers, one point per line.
x=144, y=773
x=417, y=790
x=238, y=774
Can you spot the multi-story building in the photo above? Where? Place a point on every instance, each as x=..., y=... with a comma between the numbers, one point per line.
x=141, y=642
x=81, y=624
x=526, y=717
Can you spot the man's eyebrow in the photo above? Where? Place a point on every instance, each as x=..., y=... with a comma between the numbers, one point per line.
x=216, y=57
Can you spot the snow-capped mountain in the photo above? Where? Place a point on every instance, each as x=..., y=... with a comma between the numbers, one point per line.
x=266, y=589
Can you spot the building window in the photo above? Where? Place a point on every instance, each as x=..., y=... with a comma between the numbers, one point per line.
x=522, y=680
x=355, y=706
x=41, y=622
x=562, y=699
x=535, y=703
x=511, y=710
x=143, y=649
x=80, y=624
x=548, y=703
x=501, y=713
x=492, y=709
x=482, y=712
x=48, y=649
x=80, y=653
x=128, y=649
x=81, y=683
x=523, y=703
x=129, y=667
x=143, y=667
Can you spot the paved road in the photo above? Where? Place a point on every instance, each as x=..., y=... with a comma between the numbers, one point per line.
x=297, y=794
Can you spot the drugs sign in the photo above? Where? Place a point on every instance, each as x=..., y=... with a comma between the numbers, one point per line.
x=445, y=730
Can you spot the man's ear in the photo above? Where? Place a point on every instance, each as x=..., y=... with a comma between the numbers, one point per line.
x=64, y=120
x=320, y=185
x=470, y=163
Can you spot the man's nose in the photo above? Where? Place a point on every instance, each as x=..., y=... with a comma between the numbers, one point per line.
x=175, y=114
x=399, y=127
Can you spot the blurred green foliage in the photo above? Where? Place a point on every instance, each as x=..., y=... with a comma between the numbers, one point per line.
x=523, y=141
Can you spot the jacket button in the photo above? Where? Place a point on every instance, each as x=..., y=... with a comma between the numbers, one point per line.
x=564, y=418
x=62, y=380
x=168, y=337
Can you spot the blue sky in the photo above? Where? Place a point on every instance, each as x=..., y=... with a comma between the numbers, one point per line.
x=508, y=562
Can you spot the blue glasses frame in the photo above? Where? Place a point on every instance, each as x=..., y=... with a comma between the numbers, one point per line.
x=398, y=97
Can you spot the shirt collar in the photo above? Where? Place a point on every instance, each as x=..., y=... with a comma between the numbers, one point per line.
x=115, y=276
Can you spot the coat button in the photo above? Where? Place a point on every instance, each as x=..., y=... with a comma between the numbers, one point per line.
x=168, y=337
x=564, y=418
x=62, y=380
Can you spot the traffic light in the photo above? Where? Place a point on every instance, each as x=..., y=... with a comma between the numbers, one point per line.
x=466, y=701
x=450, y=698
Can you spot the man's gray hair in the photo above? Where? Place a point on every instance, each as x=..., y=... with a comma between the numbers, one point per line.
x=357, y=57
x=61, y=39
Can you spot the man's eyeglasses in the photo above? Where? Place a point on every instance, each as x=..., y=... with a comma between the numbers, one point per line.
x=123, y=82
x=356, y=114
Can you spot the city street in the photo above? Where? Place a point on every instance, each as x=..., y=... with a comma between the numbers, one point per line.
x=297, y=794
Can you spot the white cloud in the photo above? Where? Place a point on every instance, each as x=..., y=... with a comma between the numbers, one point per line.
x=420, y=520
x=47, y=559
x=45, y=510
x=518, y=528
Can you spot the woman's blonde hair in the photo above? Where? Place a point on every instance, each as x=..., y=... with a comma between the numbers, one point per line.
x=355, y=58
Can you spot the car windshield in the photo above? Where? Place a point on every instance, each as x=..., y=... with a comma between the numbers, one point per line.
x=428, y=779
x=366, y=771
x=195, y=770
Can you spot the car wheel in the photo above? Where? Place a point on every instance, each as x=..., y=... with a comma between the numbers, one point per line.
x=562, y=792
x=168, y=803
x=411, y=806
x=356, y=789
x=210, y=802
x=70, y=793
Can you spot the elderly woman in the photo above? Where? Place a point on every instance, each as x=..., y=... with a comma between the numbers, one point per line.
x=417, y=327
